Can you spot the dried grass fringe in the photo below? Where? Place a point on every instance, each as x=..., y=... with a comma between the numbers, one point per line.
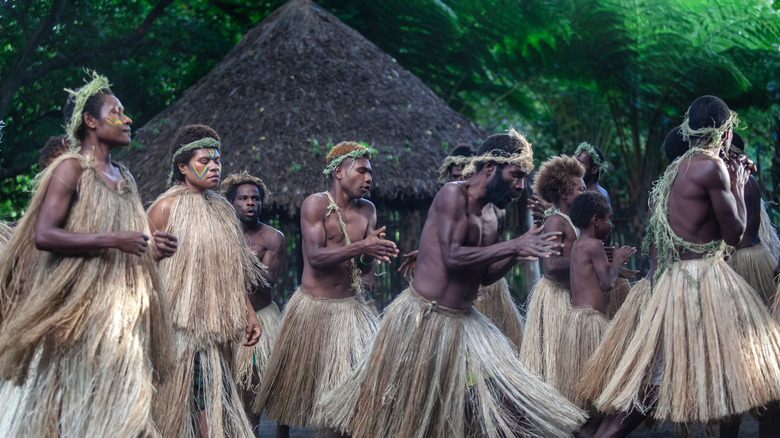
x=496, y=303
x=585, y=328
x=756, y=265
x=94, y=324
x=321, y=341
x=721, y=348
x=616, y=340
x=617, y=296
x=438, y=372
x=174, y=405
x=5, y=233
x=547, y=306
x=768, y=233
x=212, y=269
x=249, y=361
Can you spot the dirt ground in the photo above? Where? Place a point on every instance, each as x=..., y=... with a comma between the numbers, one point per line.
x=749, y=429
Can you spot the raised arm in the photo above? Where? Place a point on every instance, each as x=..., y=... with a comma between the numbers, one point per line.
x=50, y=234
x=607, y=272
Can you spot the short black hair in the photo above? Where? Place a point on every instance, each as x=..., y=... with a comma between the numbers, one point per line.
x=462, y=150
x=708, y=112
x=92, y=106
x=674, y=145
x=738, y=143
x=186, y=135
x=587, y=205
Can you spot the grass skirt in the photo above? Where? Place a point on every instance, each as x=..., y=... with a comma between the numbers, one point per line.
x=756, y=265
x=84, y=332
x=547, y=306
x=585, y=328
x=177, y=406
x=617, y=296
x=439, y=372
x=614, y=343
x=249, y=361
x=720, y=348
x=496, y=303
x=321, y=341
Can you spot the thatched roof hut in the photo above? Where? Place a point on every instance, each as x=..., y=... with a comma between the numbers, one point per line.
x=298, y=81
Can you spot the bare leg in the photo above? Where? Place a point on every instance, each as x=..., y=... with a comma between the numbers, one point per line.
x=729, y=428
x=769, y=421
x=589, y=429
x=204, y=427
x=623, y=423
x=282, y=431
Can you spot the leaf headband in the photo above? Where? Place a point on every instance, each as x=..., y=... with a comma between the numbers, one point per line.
x=80, y=97
x=203, y=143
x=355, y=154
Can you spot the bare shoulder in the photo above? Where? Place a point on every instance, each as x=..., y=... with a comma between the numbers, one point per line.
x=68, y=172
x=705, y=170
x=272, y=237
x=556, y=223
x=314, y=203
x=451, y=195
x=366, y=206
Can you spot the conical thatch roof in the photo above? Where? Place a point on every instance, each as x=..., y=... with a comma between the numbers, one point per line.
x=299, y=80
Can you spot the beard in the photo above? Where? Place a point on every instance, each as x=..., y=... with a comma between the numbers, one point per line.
x=499, y=191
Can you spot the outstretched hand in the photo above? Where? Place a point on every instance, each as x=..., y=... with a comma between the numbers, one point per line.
x=375, y=245
x=535, y=243
x=409, y=266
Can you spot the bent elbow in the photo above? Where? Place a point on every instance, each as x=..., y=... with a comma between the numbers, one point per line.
x=41, y=242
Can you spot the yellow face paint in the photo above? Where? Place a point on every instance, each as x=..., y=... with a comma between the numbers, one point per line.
x=203, y=172
x=115, y=122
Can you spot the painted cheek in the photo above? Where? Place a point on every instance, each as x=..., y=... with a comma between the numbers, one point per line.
x=199, y=173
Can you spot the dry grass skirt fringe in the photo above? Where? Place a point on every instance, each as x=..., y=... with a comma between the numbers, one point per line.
x=547, y=305
x=496, y=303
x=438, y=372
x=614, y=343
x=719, y=344
x=617, y=296
x=585, y=328
x=249, y=361
x=756, y=265
x=321, y=341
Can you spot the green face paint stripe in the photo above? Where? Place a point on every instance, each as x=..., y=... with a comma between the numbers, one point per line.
x=114, y=122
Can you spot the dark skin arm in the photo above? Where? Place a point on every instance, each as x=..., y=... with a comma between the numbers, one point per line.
x=559, y=264
x=321, y=257
x=165, y=244
x=453, y=235
x=726, y=193
x=49, y=234
x=607, y=272
x=253, y=330
x=273, y=259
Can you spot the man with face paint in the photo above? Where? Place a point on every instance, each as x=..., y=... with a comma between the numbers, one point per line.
x=328, y=325
x=207, y=283
x=83, y=313
x=247, y=194
x=437, y=368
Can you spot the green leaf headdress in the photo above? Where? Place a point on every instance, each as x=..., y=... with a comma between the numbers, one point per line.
x=344, y=150
x=708, y=137
x=96, y=85
x=524, y=159
x=591, y=151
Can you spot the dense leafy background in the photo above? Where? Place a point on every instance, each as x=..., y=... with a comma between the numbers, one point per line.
x=616, y=73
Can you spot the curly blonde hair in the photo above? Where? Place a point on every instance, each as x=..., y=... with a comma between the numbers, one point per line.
x=555, y=177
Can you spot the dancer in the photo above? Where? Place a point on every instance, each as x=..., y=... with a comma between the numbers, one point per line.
x=328, y=325
x=247, y=194
x=84, y=321
x=558, y=182
x=437, y=368
x=207, y=282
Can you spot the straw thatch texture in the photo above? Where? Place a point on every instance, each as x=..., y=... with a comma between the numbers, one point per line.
x=85, y=330
x=617, y=295
x=496, y=303
x=250, y=361
x=547, y=305
x=5, y=233
x=756, y=265
x=320, y=343
x=439, y=372
x=717, y=346
x=300, y=80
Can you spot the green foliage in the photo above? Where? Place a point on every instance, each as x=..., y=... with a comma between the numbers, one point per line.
x=15, y=194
